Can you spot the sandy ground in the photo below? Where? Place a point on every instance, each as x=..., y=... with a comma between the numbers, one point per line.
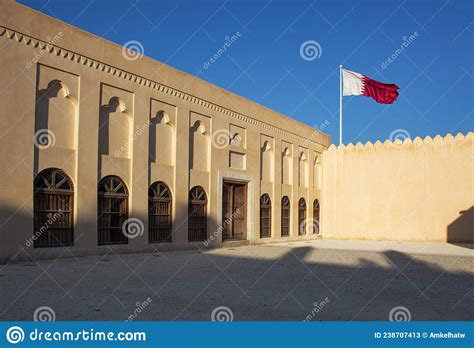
x=317, y=280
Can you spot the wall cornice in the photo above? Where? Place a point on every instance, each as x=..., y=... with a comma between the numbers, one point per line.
x=120, y=73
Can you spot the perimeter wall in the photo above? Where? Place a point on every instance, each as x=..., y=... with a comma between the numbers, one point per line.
x=420, y=190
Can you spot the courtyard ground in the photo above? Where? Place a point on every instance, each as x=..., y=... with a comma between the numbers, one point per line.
x=316, y=280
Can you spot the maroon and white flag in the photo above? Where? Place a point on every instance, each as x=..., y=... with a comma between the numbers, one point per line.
x=358, y=84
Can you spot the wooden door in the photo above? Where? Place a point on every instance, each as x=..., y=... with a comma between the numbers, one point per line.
x=227, y=211
x=239, y=212
x=234, y=211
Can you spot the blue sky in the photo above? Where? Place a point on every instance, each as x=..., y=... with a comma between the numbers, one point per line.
x=264, y=64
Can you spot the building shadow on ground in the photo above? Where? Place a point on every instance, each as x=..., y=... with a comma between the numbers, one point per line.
x=285, y=281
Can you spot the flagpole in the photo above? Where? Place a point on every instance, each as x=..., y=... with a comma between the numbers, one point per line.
x=340, y=104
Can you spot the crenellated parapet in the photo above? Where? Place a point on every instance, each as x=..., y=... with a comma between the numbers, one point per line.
x=406, y=143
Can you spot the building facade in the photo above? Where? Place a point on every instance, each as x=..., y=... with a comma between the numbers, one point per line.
x=101, y=148
x=104, y=150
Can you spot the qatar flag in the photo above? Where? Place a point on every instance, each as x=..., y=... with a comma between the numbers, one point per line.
x=358, y=84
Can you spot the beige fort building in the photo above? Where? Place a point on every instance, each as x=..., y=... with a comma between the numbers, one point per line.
x=102, y=151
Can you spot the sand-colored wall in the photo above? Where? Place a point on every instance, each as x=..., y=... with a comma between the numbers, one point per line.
x=420, y=190
x=162, y=124
x=138, y=119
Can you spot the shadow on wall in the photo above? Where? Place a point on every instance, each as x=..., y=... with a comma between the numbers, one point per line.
x=461, y=230
x=17, y=229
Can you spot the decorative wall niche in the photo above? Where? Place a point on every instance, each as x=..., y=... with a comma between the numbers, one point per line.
x=56, y=114
x=303, y=167
x=238, y=136
x=286, y=163
x=199, y=142
x=317, y=171
x=162, y=133
x=116, y=122
x=267, y=145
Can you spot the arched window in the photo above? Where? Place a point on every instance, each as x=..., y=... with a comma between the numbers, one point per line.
x=53, y=209
x=112, y=210
x=301, y=217
x=159, y=213
x=285, y=216
x=316, y=216
x=197, y=228
x=265, y=216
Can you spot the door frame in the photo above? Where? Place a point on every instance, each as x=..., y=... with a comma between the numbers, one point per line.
x=233, y=183
x=237, y=178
